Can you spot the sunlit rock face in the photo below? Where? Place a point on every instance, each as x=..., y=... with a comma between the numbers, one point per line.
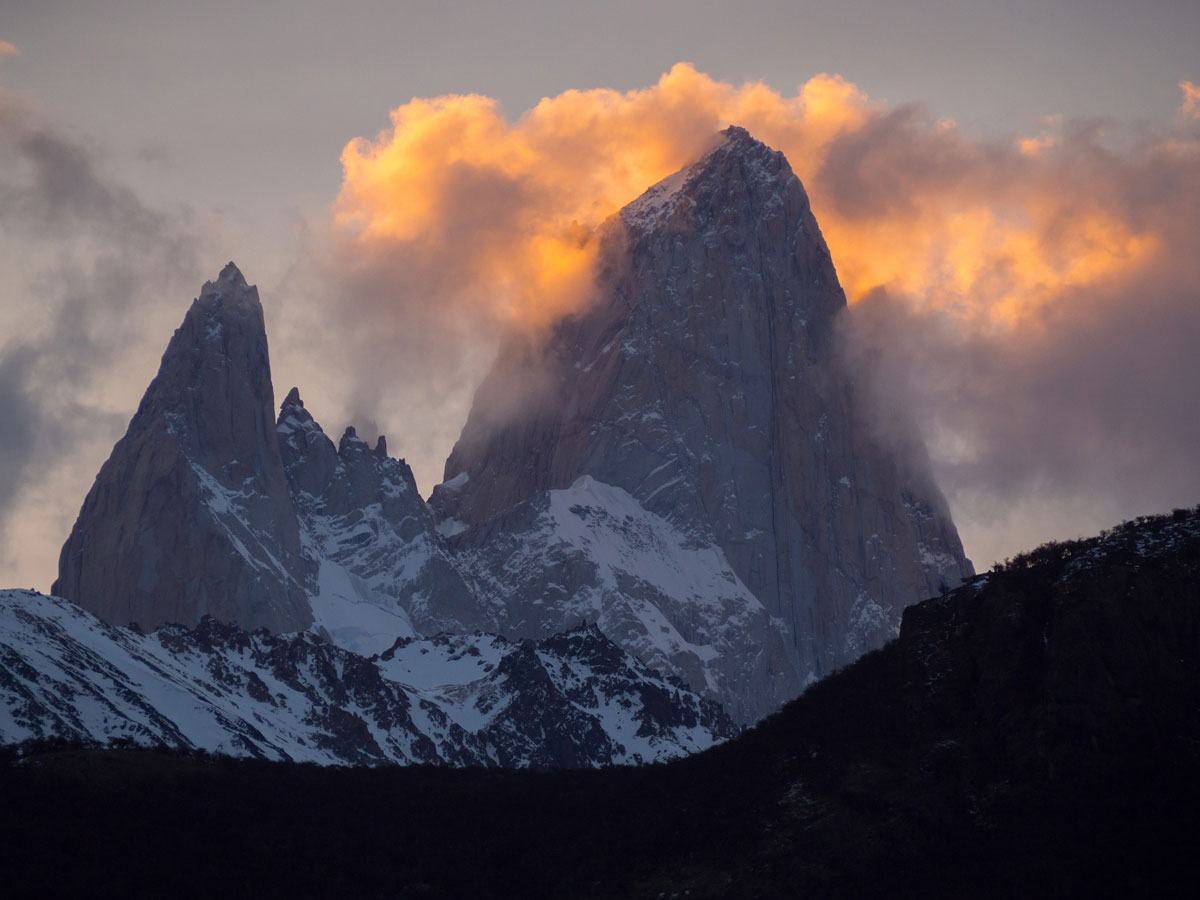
x=698, y=406
x=190, y=515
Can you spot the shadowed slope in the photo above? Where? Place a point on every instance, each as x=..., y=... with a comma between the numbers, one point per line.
x=1033, y=733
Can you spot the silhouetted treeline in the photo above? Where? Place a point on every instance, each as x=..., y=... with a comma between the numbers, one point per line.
x=1033, y=733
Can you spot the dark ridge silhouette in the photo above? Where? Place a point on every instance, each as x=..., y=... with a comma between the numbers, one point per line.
x=1032, y=733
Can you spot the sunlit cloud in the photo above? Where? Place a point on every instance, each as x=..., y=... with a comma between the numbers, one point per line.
x=511, y=205
x=1013, y=289
x=7, y=48
x=1049, y=135
x=986, y=232
x=1190, y=106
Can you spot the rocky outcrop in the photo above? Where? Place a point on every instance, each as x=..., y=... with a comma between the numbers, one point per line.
x=209, y=506
x=704, y=384
x=190, y=515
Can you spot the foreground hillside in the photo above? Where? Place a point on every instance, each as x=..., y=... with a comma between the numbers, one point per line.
x=1035, y=732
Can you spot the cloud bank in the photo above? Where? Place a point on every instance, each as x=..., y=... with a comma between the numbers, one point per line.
x=1031, y=300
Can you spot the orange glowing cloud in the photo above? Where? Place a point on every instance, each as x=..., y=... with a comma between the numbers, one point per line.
x=1190, y=107
x=515, y=204
x=8, y=48
x=989, y=234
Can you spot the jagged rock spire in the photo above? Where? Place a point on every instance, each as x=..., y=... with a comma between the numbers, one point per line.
x=377, y=538
x=190, y=514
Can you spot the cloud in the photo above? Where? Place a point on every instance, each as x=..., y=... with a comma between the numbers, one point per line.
x=95, y=277
x=1034, y=312
x=1190, y=105
x=455, y=224
x=1031, y=299
x=1034, y=306
x=7, y=48
x=501, y=212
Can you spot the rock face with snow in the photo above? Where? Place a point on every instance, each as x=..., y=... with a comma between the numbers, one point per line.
x=382, y=570
x=695, y=421
x=572, y=700
x=209, y=506
x=688, y=471
x=210, y=519
x=592, y=553
x=190, y=515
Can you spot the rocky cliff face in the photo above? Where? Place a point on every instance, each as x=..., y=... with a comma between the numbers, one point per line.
x=209, y=506
x=190, y=515
x=704, y=386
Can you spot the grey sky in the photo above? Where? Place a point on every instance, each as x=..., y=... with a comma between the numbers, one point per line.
x=247, y=105
x=213, y=130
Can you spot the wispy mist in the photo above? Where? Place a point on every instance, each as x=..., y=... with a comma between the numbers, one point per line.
x=95, y=272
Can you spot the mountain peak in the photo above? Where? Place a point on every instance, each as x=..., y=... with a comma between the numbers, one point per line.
x=702, y=397
x=229, y=289
x=190, y=514
x=231, y=275
x=740, y=142
x=738, y=138
x=737, y=161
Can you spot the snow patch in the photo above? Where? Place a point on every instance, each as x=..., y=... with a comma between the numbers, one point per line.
x=457, y=482
x=656, y=202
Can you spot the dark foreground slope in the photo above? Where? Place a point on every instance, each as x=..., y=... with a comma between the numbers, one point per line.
x=1036, y=732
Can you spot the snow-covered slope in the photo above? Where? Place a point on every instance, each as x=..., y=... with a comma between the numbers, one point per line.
x=572, y=700
x=382, y=569
x=592, y=553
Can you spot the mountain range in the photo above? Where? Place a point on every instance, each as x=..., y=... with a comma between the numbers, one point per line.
x=671, y=499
